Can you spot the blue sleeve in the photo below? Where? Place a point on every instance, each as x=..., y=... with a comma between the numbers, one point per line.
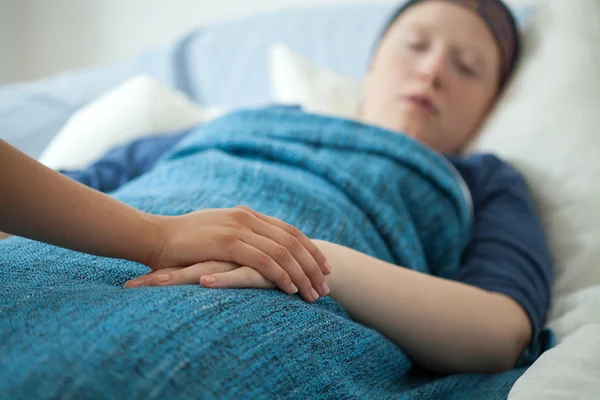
x=124, y=163
x=508, y=252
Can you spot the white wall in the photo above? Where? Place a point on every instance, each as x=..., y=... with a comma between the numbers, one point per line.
x=72, y=33
x=10, y=40
x=50, y=36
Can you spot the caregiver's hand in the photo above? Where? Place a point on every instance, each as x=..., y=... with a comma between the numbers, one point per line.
x=41, y=204
x=276, y=250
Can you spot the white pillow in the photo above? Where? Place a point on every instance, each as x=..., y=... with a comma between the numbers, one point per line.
x=547, y=125
x=568, y=371
x=140, y=107
x=294, y=81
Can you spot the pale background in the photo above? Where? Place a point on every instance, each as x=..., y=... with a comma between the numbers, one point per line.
x=44, y=37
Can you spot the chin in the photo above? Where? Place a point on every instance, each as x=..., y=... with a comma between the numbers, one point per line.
x=395, y=121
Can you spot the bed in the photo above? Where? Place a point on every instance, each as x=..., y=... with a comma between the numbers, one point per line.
x=315, y=57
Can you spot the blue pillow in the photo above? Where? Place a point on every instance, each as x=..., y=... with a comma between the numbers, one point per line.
x=222, y=64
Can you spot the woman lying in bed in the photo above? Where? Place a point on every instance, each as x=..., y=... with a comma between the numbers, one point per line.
x=435, y=75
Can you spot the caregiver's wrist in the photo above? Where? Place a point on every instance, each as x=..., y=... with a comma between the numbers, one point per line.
x=148, y=246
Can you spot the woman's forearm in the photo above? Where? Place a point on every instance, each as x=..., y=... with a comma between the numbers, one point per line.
x=444, y=325
x=41, y=204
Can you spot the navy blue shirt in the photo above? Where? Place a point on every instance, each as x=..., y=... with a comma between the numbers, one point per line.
x=508, y=252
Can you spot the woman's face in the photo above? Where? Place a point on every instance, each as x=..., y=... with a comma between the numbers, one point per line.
x=434, y=75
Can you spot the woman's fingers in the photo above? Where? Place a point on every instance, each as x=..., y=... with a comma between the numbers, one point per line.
x=276, y=264
x=181, y=275
x=288, y=252
x=242, y=277
x=209, y=274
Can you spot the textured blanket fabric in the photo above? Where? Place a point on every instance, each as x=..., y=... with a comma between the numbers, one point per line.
x=69, y=330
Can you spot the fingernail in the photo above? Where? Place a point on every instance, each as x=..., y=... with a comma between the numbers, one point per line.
x=209, y=279
x=324, y=289
x=327, y=267
x=163, y=278
x=136, y=283
x=293, y=288
x=314, y=294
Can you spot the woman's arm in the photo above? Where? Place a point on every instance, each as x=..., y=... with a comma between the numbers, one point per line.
x=446, y=326
x=479, y=322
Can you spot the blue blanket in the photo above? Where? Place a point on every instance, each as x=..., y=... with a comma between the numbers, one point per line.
x=69, y=330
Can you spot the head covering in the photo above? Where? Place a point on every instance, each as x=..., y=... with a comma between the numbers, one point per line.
x=497, y=17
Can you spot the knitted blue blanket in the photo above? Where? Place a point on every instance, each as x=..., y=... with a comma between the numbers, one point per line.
x=69, y=330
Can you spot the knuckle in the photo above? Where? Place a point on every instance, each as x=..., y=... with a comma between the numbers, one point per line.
x=241, y=214
x=313, y=271
x=292, y=230
x=225, y=279
x=282, y=252
x=264, y=260
x=227, y=237
x=249, y=274
x=212, y=267
x=294, y=243
x=244, y=208
x=283, y=278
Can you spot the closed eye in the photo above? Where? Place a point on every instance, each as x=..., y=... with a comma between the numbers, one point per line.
x=467, y=70
x=415, y=41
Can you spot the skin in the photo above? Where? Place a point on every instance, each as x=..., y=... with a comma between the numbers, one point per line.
x=446, y=53
x=442, y=52
x=74, y=216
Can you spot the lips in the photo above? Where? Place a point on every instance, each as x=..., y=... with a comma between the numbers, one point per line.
x=422, y=103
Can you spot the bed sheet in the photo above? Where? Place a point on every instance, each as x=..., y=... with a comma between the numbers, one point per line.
x=571, y=370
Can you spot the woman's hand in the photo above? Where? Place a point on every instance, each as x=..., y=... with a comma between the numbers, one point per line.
x=219, y=274
x=268, y=246
x=210, y=274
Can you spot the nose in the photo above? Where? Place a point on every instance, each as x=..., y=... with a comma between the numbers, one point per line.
x=432, y=68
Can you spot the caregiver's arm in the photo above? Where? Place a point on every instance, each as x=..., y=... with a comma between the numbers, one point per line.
x=122, y=164
x=39, y=203
x=483, y=318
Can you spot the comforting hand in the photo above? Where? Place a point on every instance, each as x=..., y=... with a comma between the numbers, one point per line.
x=272, y=248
